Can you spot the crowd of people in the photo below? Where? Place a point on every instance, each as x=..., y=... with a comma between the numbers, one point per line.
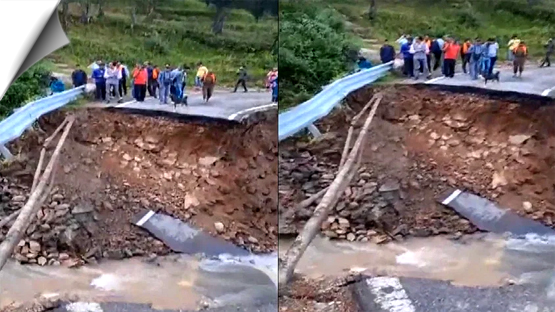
x=167, y=84
x=423, y=55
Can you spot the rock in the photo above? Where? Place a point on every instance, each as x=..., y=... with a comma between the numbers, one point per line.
x=331, y=234
x=57, y=197
x=220, y=228
x=389, y=186
x=34, y=247
x=527, y=206
x=62, y=207
x=343, y=223
x=63, y=256
x=207, y=161
x=127, y=157
x=21, y=258
x=519, y=139
x=18, y=199
x=453, y=142
x=168, y=176
x=42, y=261
x=351, y=237
x=252, y=239
x=434, y=136
x=151, y=139
x=498, y=179
x=144, y=202
x=82, y=209
x=190, y=201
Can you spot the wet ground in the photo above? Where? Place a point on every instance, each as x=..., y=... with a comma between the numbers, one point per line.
x=173, y=282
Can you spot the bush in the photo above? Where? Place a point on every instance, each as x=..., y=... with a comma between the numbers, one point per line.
x=30, y=85
x=313, y=48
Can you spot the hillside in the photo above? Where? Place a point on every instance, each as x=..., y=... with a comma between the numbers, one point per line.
x=176, y=32
x=532, y=20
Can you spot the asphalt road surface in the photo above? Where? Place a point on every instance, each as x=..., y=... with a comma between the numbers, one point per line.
x=223, y=105
x=131, y=307
x=534, y=80
x=390, y=294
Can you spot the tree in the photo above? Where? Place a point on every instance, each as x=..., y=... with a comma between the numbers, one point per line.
x=256, y=7
x=313, y=48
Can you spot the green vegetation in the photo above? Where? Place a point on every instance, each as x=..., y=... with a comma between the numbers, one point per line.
x=313, y=50
x=175, y=32
x=29, y=86
x=532, y=20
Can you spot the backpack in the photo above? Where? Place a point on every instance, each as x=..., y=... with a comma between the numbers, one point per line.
x=210, y=78
x=166, y=78
x=477, y=53
x=520, y=51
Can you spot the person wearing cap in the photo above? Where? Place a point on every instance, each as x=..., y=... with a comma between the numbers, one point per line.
x=100, y=81
x=140, y=79
x=165, y=81
x=78, y=77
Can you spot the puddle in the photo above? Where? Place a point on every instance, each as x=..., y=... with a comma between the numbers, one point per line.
x=175, y=282
x=484, y=260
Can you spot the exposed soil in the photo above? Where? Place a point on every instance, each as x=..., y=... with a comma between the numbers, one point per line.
x=115, y=165
x=422, y=143
x=323, y=295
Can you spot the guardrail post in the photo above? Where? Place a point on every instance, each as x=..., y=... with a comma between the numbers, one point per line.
x=5, y=152
x=314, y=131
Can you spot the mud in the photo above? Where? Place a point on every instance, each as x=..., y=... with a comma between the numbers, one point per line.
x=423, y=142
x=219, y=177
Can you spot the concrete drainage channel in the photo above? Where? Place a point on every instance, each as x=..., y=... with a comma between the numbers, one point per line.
x=128, y=187
x=426, y=142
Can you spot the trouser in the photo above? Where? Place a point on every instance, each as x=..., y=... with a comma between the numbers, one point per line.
x=518, y=65
x=492, y=61
x=101, y=91
x=115, y=86
x=151, y=88
x=474, y=68
x=408, y=65
x=198, y=82
x=465, y=60
x=164, y=94
x=484, y=66
x=429, y=62
x=123, y=86
x=241, y=82
x=177, y=93
x=422, y=68
x=274, y=95
x=449, y=65
x=546, y=60
x=510, y=56
x=140, y=92
x=437, y=60
x=207, y=91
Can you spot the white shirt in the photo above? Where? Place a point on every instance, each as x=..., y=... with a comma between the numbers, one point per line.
x=493, y=48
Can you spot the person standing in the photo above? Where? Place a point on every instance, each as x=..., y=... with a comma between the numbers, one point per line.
x=435, y=50
x=208, y=86
x=520, y=53
x=465, y=55
x=123, y=81
x=419, y=50
x=177, y=84
x=402, y=40
x=485, y=60
x=493, y=50
x=242, y=76
x=428, y=43
x=140, y=81
x=154, y=83
x=451, y=50
x=100, y=82
x=78, y=77
x=165, y=82
x=199, y=78
x=274, y=83
x=475, y=52
x=387, y=52
x=270, y=77
x=549, y=48
x=512, y=45
x=113, y=76
x=150, y=83
x=408, y=61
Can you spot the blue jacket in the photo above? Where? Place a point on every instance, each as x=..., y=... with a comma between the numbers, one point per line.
x=405, y=50
x=364, y=64
x=98, y=75
x=57, y=86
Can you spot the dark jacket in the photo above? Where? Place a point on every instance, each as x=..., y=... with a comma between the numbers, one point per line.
x=79, y=77
x=387, y=53
x=435, y=48
x=98, y=75
x=242, y=74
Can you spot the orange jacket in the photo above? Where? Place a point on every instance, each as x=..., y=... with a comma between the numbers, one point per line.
x=140, y=76
x=155, y=73
x=451, y=51
x=465, y=47
x=210, y=78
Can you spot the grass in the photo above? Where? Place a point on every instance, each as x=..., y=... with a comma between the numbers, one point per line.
x=178, y=33
x=463, y=19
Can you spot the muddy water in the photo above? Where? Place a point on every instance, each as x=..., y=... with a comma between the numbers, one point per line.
x=485, y=260
x=177, y=282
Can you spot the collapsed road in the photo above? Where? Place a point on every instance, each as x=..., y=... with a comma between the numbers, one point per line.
x=424, y=143
x=217, y=177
